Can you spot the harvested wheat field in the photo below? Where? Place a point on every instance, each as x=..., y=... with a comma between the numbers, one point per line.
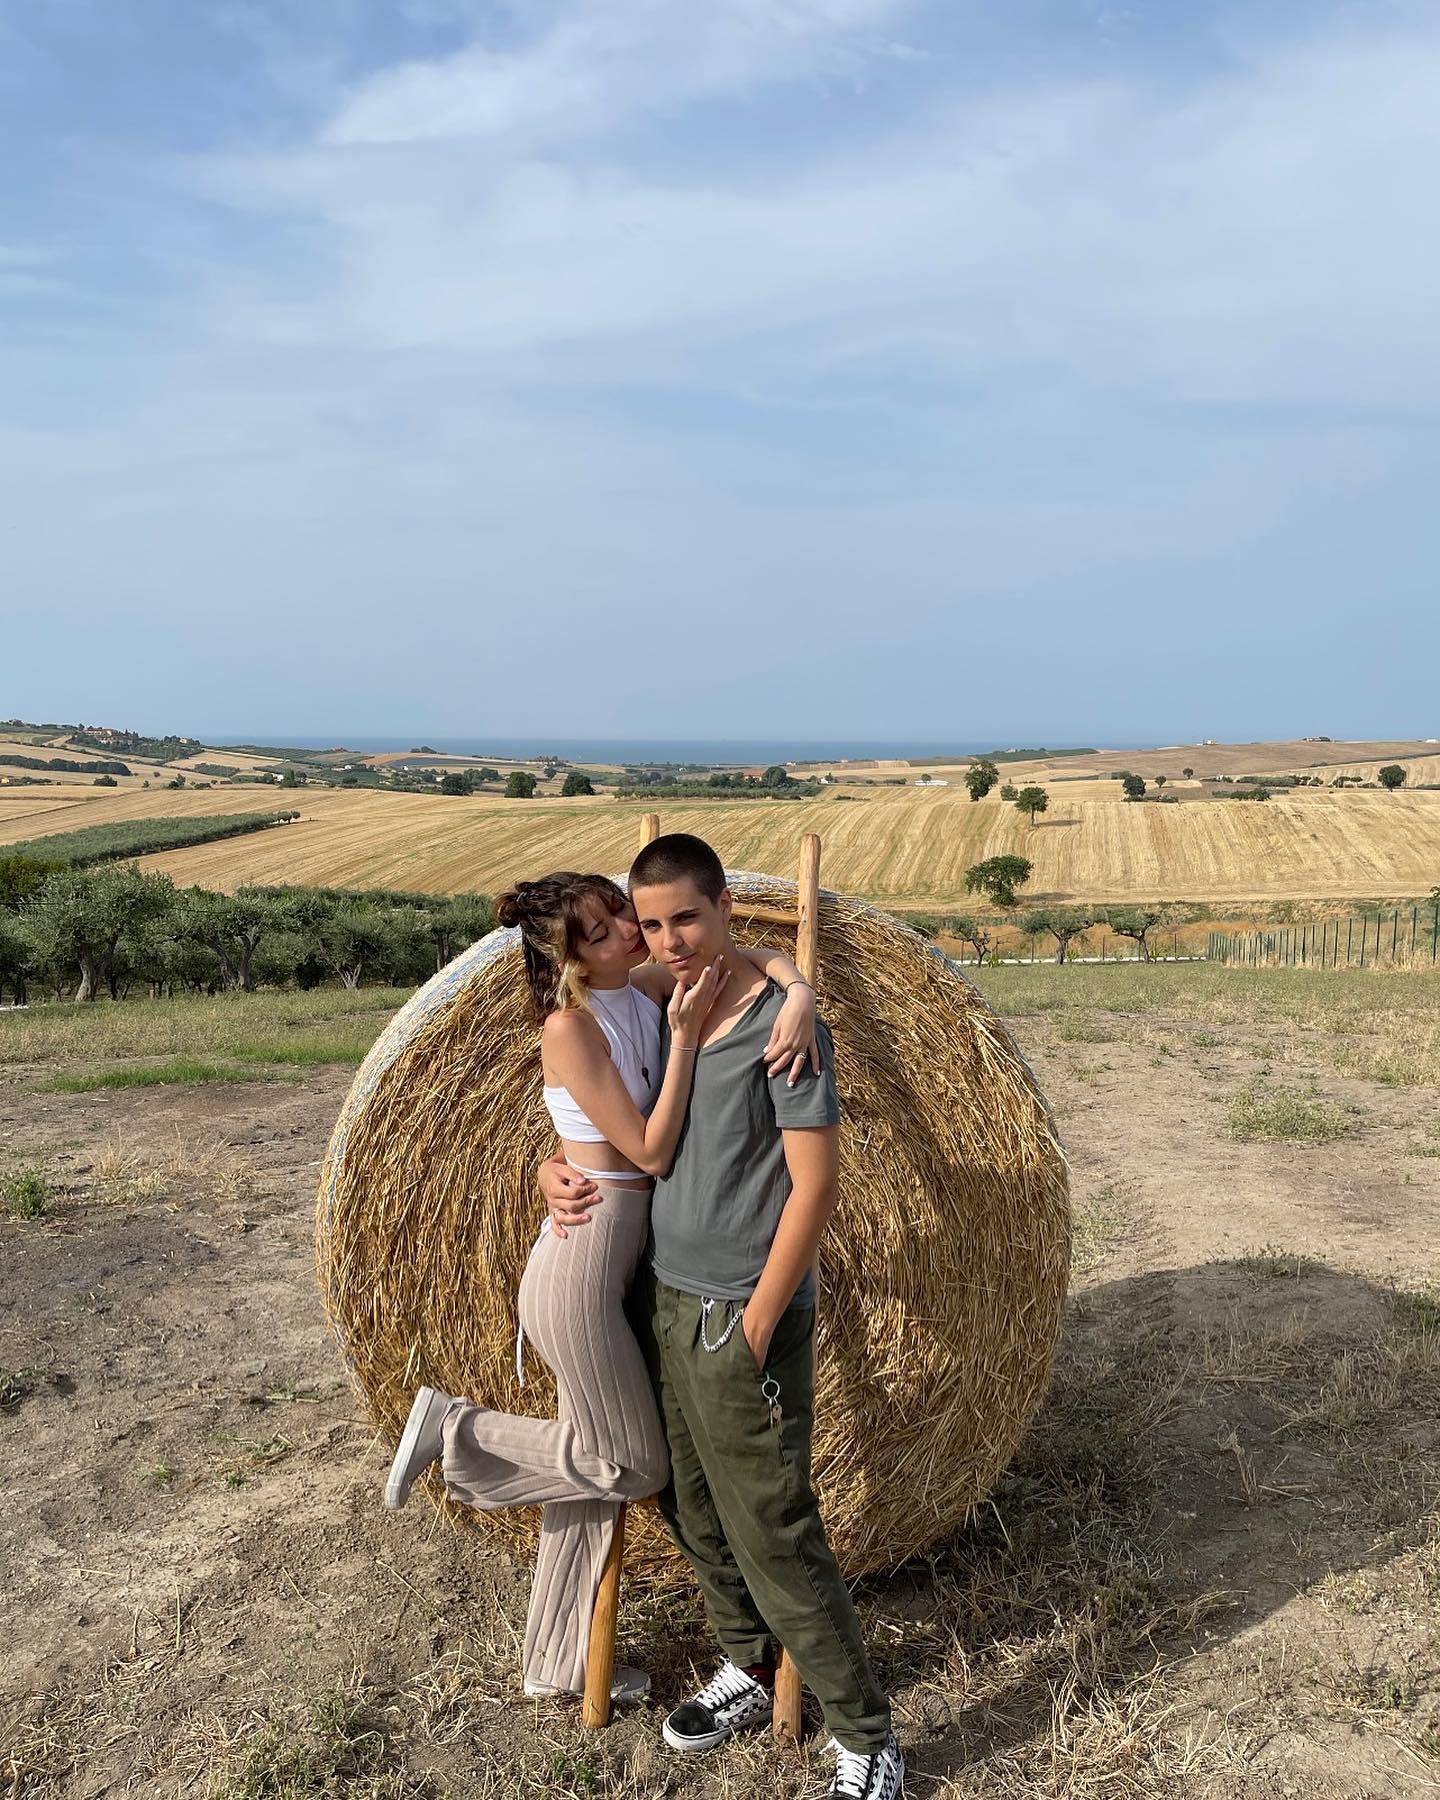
x=890, y=848
x=1211, y=1572
x=895, y=846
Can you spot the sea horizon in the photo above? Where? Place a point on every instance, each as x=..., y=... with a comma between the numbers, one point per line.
x=637, y=750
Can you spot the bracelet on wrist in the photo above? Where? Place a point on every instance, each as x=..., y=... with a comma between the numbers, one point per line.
x=799, y=981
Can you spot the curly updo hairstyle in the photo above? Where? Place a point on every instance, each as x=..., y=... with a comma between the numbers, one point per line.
x=550, y=916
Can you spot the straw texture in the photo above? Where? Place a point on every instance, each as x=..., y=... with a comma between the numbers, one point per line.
x=942, y=1276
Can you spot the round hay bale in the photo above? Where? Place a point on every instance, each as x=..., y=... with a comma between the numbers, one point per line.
x=942, y=1276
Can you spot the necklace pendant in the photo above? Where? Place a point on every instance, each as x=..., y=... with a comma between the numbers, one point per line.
x=644, y=1073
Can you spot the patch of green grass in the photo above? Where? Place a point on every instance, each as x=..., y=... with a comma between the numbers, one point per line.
x=1273, y=1264
x=1082, y=1030
x=160, y=1476
x=15, y=1384
x=1206, y=1040
x=204, y=1026
x=182, y=1071
x=1419, y=1310
x=25, y=1193
x=1261, y=1114
x=302, y=1053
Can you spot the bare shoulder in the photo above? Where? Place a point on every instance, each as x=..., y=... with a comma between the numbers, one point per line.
x=569, y=1030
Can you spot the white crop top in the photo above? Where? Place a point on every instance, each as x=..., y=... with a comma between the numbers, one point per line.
x=631, y=1023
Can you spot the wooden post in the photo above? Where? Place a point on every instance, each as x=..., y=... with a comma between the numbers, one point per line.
x=600, y=1658
x=785, y=1720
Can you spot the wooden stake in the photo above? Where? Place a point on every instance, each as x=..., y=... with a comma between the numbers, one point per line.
x=807, y=936
x=785, y=1719
x=600, y=1659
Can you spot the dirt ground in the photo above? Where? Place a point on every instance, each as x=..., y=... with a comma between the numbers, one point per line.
x=1214, y=1568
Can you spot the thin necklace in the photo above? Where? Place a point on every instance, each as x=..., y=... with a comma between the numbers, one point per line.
x=635, y=1021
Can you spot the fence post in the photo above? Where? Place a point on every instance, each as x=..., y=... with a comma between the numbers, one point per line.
x=1394, y=932
x=1414, y=913
x=1349, y=931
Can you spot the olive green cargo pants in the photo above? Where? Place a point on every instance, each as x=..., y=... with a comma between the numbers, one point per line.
x=741, y=1505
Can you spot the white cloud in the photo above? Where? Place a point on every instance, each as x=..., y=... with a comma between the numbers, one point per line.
x=602, y=62
x=1257, y=238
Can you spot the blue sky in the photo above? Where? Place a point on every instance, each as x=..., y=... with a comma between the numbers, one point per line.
x=1037, y=372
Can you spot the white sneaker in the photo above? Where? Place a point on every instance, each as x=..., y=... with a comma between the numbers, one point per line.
x=732, y=1701
x=626, y=1685
x=420, y=1444
x=880, y=1776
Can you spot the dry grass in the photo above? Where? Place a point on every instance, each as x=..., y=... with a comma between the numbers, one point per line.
x=891, y=845
x=1377, y=1025
x=952, y=1264
x=125, y=1174
x=329, y=1024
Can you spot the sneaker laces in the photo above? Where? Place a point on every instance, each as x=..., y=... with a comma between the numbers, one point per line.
x=852, y=1771
x=729, y=1683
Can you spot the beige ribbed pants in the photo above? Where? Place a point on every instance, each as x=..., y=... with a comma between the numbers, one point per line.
x=605, y=1446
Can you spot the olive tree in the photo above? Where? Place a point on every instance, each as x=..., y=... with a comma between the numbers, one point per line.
x=1032, y=801
x=1135, y=922
x=974, y=932
x=1063, y=923
x=77, y=920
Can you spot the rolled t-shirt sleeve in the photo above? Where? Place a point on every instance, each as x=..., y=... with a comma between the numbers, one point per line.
x=813, y=1101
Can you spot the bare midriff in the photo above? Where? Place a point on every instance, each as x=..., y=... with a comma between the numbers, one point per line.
x=603, y=1155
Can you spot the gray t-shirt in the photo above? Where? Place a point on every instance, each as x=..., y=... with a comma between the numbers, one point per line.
x=714, y=1216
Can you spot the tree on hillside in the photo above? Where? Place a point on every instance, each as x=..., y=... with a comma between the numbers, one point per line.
x=1134, y=786
x=777, y=775
x=457, y=781
x=1392, y=776
x=520, y=785
x=463, y=920
x=576, y=783
x=80, y=915
x=980, y=777
x=1009, y=792
x=22, y=876
x=1133, y=922
x=998, y=877
x=1159, y=783
x=232, y=926
x=974, y=932
x=1189, y=774
x=1063, y=923
x=1032, y=801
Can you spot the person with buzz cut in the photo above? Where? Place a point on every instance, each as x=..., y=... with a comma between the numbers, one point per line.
x=725, y=1316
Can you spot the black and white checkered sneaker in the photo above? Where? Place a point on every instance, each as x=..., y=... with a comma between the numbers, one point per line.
x=731, y=1701
x=880, y=1776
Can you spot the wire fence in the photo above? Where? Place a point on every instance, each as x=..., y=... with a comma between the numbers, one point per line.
x=1402, y=938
